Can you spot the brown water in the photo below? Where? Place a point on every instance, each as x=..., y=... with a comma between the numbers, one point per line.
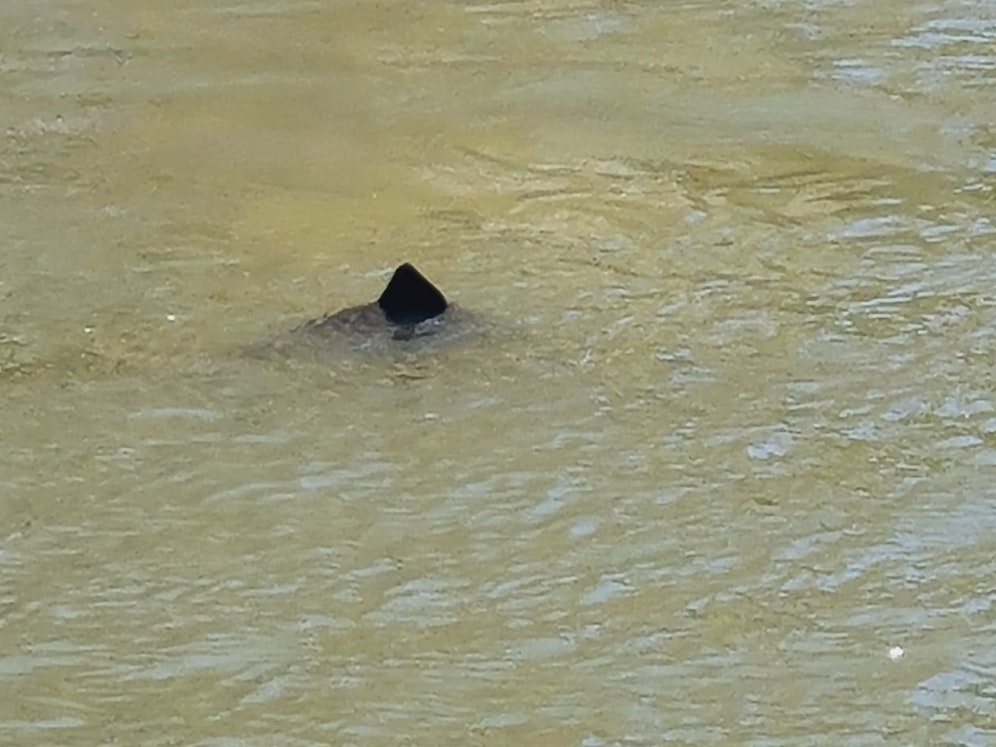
x=728, y=438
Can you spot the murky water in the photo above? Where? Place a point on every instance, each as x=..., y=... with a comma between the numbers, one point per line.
x=718, y=470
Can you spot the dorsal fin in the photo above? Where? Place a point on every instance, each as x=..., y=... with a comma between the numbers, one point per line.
x=409, y=298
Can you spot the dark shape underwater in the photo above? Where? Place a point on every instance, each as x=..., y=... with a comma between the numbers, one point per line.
x=410, y=307
x=411, y=314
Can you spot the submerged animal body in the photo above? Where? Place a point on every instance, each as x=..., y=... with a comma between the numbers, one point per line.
x=411, y=315
x=410, y=306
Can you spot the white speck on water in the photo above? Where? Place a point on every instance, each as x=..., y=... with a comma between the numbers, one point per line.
x=608, y=588
x=171, y=317
x=584, y=528
x=896, y=653
x=777, y=445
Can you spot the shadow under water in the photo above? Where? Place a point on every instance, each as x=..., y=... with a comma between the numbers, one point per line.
x=410, y=315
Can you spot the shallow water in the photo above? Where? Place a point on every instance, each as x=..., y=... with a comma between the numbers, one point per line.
x=720, y=471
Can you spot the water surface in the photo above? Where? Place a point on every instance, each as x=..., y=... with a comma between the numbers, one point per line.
x=719, y=472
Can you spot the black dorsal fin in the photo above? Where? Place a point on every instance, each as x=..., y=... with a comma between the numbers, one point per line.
x=409, y=298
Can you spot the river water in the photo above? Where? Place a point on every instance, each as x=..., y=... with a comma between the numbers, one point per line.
x=717, y=470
